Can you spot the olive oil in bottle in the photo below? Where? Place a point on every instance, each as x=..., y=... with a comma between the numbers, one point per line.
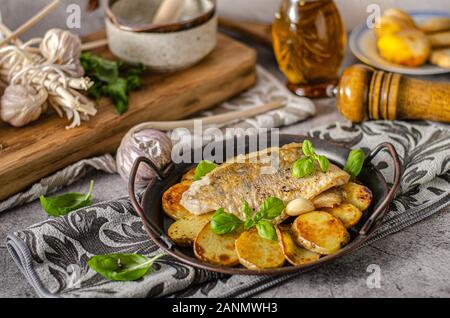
x=309, y=41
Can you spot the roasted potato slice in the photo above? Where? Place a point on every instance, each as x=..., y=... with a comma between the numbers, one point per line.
x=189, y=176
x=408, y=47
x=347, y=213
x=255, y=252
x=294, y=254
x=216, y=249
x=171, y=201
x=184, y=231
x=328, y=199
x=320, y=232
x=358, y=195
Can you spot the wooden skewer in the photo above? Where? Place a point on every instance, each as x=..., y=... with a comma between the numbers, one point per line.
x=211, y=120
x=31, y=22
x=7, y=32
x=94, y=44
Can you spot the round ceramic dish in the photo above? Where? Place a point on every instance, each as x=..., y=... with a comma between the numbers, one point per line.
x=162, y=48
x=363, y=44
x=156, y=222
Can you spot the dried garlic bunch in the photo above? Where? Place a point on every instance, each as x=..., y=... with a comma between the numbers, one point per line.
x=54, y=68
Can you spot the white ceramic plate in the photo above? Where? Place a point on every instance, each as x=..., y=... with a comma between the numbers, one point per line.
x=363, y=45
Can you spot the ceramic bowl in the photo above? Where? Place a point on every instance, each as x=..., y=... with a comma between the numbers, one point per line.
x=163, y=48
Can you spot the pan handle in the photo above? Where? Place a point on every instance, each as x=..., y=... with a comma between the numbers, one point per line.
x=137, y=206
x=379, y=213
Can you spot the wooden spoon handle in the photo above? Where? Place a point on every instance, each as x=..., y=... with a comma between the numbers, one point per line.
x=211, y=120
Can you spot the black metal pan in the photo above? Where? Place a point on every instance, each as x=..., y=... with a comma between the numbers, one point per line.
x=156, y=222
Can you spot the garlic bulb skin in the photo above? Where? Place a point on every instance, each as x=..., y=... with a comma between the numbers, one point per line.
x=150, y=143
x=22, y=104
x=64, y=48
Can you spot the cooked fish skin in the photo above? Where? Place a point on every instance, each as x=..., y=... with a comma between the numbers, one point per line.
x=242, y=179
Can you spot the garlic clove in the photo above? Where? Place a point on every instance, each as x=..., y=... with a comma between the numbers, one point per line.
x=299, y=206
x=22, y=104
x=150, y=143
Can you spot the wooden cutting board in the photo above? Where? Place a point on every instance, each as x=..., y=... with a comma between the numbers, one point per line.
x=27, y=154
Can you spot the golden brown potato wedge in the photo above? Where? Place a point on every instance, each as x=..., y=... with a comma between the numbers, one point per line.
x=184, y=231
x=320, y=232
x=171, y=201
x=294, y=254
x=188, y=176
x=216, y=249
x=255, y=252
x=358, y=195
x=408, y=47
x=328, y=199
x=347, y=213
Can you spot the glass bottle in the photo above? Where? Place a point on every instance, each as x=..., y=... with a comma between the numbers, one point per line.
x=309, y=40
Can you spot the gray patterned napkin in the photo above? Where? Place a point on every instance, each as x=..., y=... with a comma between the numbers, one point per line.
x=52, y=255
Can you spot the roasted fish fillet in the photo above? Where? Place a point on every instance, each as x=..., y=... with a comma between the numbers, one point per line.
x=244, y=178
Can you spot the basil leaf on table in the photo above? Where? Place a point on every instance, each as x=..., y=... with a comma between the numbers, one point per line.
x=223, y=222
x=65, y=203
x=355, y=162
x=122, y=267
x=203, y=168
x=303, y=167
x=266, y=230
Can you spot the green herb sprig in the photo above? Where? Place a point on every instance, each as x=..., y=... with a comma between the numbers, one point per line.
x=203, y=168
x=355, y=162
x=223, y=222
x=122, y=267
x=67, y=202
x=112, y=79
x=304, y=166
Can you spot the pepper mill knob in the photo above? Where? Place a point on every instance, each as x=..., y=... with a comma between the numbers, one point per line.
x=365, y=93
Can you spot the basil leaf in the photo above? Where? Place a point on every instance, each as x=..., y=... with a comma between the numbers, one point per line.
x=122, y=267
x=111, y=79
x=65, y=203
x=271, y=208
x=267, y=230
x=248, y=224
x=203, y=168
x=223, y=222
x=303, y=167
x=307, y=148
x=355, y=162
x=247, y=210
x=118, y=92
x=324, y=163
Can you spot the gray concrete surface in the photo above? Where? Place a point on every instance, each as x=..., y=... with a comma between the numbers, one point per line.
x=413, y=263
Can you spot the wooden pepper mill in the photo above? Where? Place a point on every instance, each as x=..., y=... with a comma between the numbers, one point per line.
x=364, y=93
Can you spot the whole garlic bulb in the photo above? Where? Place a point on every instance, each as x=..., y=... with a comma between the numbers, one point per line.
x=150, y=143
x=22, y=104
x=64, y=48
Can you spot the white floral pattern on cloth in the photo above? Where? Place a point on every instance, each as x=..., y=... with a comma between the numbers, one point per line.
x=49, y=253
